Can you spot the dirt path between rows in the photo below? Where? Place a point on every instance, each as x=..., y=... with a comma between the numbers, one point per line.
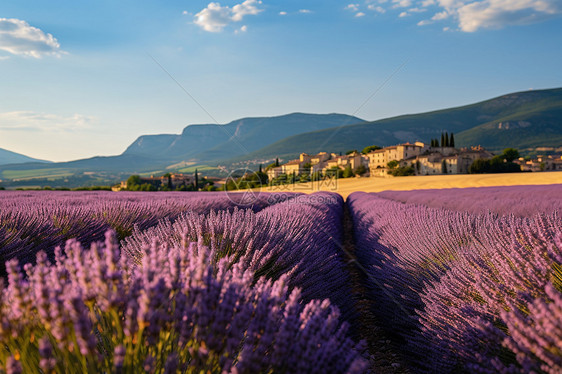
x=384, y=358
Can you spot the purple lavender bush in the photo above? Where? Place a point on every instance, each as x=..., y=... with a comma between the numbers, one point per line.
x=300, y=237
x=496, y=288
x=41, y=220
x=180, y=311
x=464, y=292
x=522, y=201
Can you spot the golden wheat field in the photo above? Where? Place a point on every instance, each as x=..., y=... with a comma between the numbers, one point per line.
x=376, y=184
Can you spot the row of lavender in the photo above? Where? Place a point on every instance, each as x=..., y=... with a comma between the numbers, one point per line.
x=231, y=290
x=35, y=221
x=522, y=201
x=476, y=292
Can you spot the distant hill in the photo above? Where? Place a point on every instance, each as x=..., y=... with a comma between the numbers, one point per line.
x=197, y=144
x=237, y=138
x=9, y=157
x=520, y=120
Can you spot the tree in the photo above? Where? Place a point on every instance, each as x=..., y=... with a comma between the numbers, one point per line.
x=452, y=141
x=230, y=185
x=259, y=171
x=392, y=164
x=479, y=166
x=370, y=148
x=303, y=178
x=442, y=140
x=403, y=171
x=351, y=151
x=169, y=176
x=510, y=154
x=444, y=167
x=418, y=166
x=196, y=181
x=446, y=139
x=147, y=187
x=270, y=166
x=262, y=177
x=348, y=172
x=335, y=171
x=276, y=161
x=133, y=183
x=361, y=169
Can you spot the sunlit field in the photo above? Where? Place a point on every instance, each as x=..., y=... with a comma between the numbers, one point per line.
x=346, y=186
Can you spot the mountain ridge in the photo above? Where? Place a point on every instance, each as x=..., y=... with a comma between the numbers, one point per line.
x=238, y=137
x=472, y=124
x=9, y=157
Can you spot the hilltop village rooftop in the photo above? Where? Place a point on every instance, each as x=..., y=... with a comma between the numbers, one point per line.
x=423, y=158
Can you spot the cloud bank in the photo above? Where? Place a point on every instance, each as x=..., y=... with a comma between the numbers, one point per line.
x=470, y=15
x=473, y=15
x=494, y=14
x=18, y=38
x=214, y=18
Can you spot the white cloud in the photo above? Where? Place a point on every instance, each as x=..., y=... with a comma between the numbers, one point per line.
x=360, y=14
x=473, y=15
x=376, y=8
x=441, y=15
x=214, y=18
x=402, y=3
x=305, y=11
x=248, y=7
x=352, y=7
x=417, y=10
x=282, y=13
x=27, y=120
x=436, y=17
x=186, y=13
x=500, y=13
x=403, y=14
x=427, y=3
x=241, y=29
x=17, y=37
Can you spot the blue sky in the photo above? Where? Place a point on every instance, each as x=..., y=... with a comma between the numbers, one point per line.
x=86, y=78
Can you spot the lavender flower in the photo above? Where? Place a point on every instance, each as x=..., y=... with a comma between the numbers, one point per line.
x=179, y=308
x=463, y=290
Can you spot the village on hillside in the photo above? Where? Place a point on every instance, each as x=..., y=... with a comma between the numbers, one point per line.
x=440, y=157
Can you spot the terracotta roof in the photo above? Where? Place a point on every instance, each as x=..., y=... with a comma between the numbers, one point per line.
x=294, y=162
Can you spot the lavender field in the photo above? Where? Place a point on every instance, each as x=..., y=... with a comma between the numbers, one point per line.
x=435, y=281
